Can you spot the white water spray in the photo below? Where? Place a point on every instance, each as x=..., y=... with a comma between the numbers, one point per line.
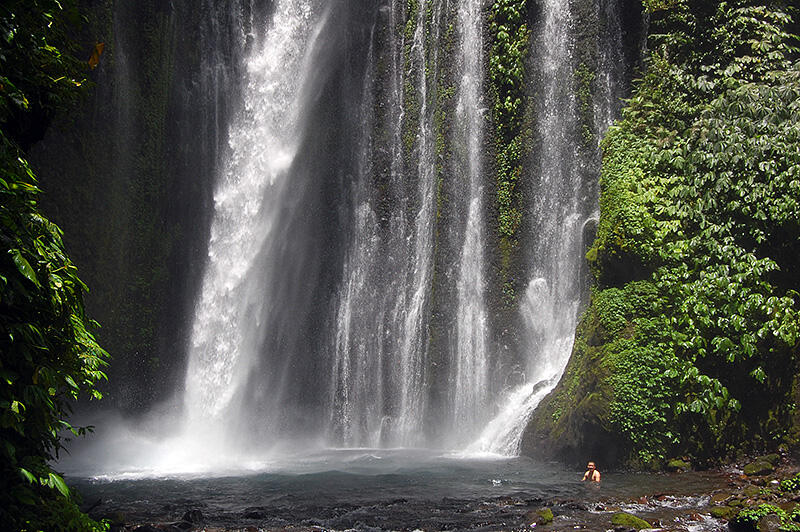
x=224, y=344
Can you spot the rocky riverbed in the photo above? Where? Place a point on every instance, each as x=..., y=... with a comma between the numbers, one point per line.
x=758, y=494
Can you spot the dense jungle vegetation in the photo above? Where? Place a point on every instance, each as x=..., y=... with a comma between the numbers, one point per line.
x=689, y=346
x=49, y=355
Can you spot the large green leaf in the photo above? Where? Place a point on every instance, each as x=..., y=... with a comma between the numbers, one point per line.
x=57, y=482
x=24, y=266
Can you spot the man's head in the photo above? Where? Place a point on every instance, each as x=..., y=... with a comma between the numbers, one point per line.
x=590, y=465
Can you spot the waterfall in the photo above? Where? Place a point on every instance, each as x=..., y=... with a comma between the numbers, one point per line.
x=376, y=365
x=356, y=400
x=379, y=361
x=611, y=71
x=470, y=367
x=263, y=138
x=414, y=338
x=347, y=293
x=564, y=200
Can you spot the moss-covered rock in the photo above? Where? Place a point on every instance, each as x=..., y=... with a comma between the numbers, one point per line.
x=751, y=491
x=758, y=468
x=629, y=520
x=572, y=420
x=722, y=512
x=678, y=465
x=773, y=459
x=544, y=516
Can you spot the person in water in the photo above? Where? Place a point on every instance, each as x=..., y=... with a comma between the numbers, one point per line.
x=592, y=474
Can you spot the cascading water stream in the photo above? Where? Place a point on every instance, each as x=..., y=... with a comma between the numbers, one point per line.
x=379, y=364
x=413, y=346
x=356, y=390
x=612, y=66
x=263, y=141
x=562, y=204
x=470, y=366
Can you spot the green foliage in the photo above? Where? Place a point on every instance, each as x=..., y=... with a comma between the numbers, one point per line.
x=510, y=36
x=791, y=484
x=661, y=5
x=749, y=517
x=38, y=73
x=700, y=203
x=49, y=355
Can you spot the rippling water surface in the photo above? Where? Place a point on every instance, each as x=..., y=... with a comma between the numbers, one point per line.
x=370, y=489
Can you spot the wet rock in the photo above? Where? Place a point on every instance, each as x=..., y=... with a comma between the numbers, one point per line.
x=678, y=465
x=193, y=516
x=758, y=468
x=751, y=491
x=626, y=520
x=773, y=459
x=577, y=506
x=179, y=525
x=723, y=512
x=769, y=523
x=719, y=497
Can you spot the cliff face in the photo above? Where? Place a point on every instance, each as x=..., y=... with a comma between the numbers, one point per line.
x=129, y=176
x=689, y=345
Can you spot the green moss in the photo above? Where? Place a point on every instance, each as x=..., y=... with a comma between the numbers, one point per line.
x=758, y=468
x=509, y=36
x=722, y=512
x=627, y=235
x=678, y=465
x=544, y=516
x=585, y=78
x=629, y=520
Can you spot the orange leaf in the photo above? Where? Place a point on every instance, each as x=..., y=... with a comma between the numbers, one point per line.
x=94, y=60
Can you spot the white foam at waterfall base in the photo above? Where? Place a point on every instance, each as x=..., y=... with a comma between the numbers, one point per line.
x=550, y=325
